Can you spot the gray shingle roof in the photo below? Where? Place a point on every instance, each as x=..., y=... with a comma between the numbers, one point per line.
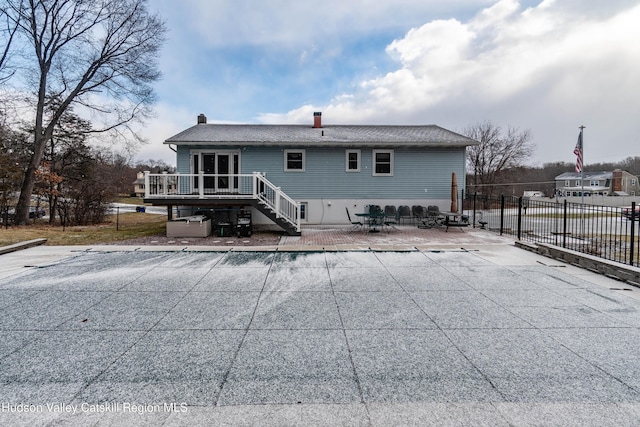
x=302, y=135
x=587, y=175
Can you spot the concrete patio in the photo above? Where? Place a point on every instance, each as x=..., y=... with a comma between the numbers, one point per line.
x=447, y=332
x=336, y=237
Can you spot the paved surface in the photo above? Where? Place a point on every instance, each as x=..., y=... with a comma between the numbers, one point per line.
x=334, y=238
x=437, y=335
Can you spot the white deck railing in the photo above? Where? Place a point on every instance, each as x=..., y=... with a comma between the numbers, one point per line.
x=223, y=187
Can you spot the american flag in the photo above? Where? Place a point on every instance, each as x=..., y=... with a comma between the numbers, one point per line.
x=578, y=152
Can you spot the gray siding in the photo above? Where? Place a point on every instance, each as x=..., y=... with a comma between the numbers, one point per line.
x=419, y=173
x=183, y=164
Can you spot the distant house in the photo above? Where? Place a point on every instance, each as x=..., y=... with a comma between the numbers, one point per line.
x=615, y=183
x=301, y=173
x=138, y=185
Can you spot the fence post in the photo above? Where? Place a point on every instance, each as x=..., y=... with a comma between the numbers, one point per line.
x=501, y=213
x=519, y=216
x=555, y=221
x=633, y=232
x=474, y=209
x=564, y=226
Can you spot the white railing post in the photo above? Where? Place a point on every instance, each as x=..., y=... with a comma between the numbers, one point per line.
x=297, y=216
x=146, y=184
x=165, y=183
x=201, y=184
x=255, y=185
x=277, y=202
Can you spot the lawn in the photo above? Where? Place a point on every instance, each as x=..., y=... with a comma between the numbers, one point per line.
x=128, y=226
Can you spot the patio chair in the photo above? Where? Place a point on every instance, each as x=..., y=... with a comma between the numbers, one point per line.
x=404, y=213
x=375, y=209
x=355, y=225
x=432, y=217
x=391, y=216
x=390, y=213
x=376, y=216
x=418, y=212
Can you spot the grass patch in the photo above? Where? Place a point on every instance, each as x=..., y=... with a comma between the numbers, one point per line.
x=130, y=225
x=130, y=201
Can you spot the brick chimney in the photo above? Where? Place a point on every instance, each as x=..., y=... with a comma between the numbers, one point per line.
x=317, y=119
x=202, y=119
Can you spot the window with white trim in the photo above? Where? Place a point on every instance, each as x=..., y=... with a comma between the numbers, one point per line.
x=567, y=183
x=352, y=160
x=294, y=160
x=383, y=162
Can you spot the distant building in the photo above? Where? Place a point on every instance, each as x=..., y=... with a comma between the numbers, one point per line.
x=138, y=185
x=615, y=183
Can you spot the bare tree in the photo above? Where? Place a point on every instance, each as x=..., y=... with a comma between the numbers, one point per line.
x=12, y=160
x=8, y=29
x=67, y=146
x=98, y=55
x=497, y=152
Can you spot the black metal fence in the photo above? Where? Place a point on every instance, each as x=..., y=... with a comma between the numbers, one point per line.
x=603, y=231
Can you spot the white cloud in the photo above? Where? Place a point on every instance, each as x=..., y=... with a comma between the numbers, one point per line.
x=495, y=17
x=436, y=46
x=546, y=68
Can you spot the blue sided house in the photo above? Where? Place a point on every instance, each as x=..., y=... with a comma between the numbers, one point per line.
x=297, y=174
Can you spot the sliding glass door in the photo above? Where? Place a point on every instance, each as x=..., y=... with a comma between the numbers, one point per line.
x=221, y=164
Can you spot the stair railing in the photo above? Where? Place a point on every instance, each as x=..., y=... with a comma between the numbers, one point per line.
x=276, y=200
x=256, y=185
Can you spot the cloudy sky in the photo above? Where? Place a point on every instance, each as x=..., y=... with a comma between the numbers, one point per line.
x=548, y=66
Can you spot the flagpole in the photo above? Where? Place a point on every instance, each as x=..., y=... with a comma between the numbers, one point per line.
x=582, y=168
x=582, y=175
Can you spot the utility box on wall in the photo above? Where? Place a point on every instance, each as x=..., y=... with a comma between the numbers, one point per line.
x=190, y=226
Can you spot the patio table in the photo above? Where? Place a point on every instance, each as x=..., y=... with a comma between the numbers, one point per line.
x=454, y=219
x=373, y=220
